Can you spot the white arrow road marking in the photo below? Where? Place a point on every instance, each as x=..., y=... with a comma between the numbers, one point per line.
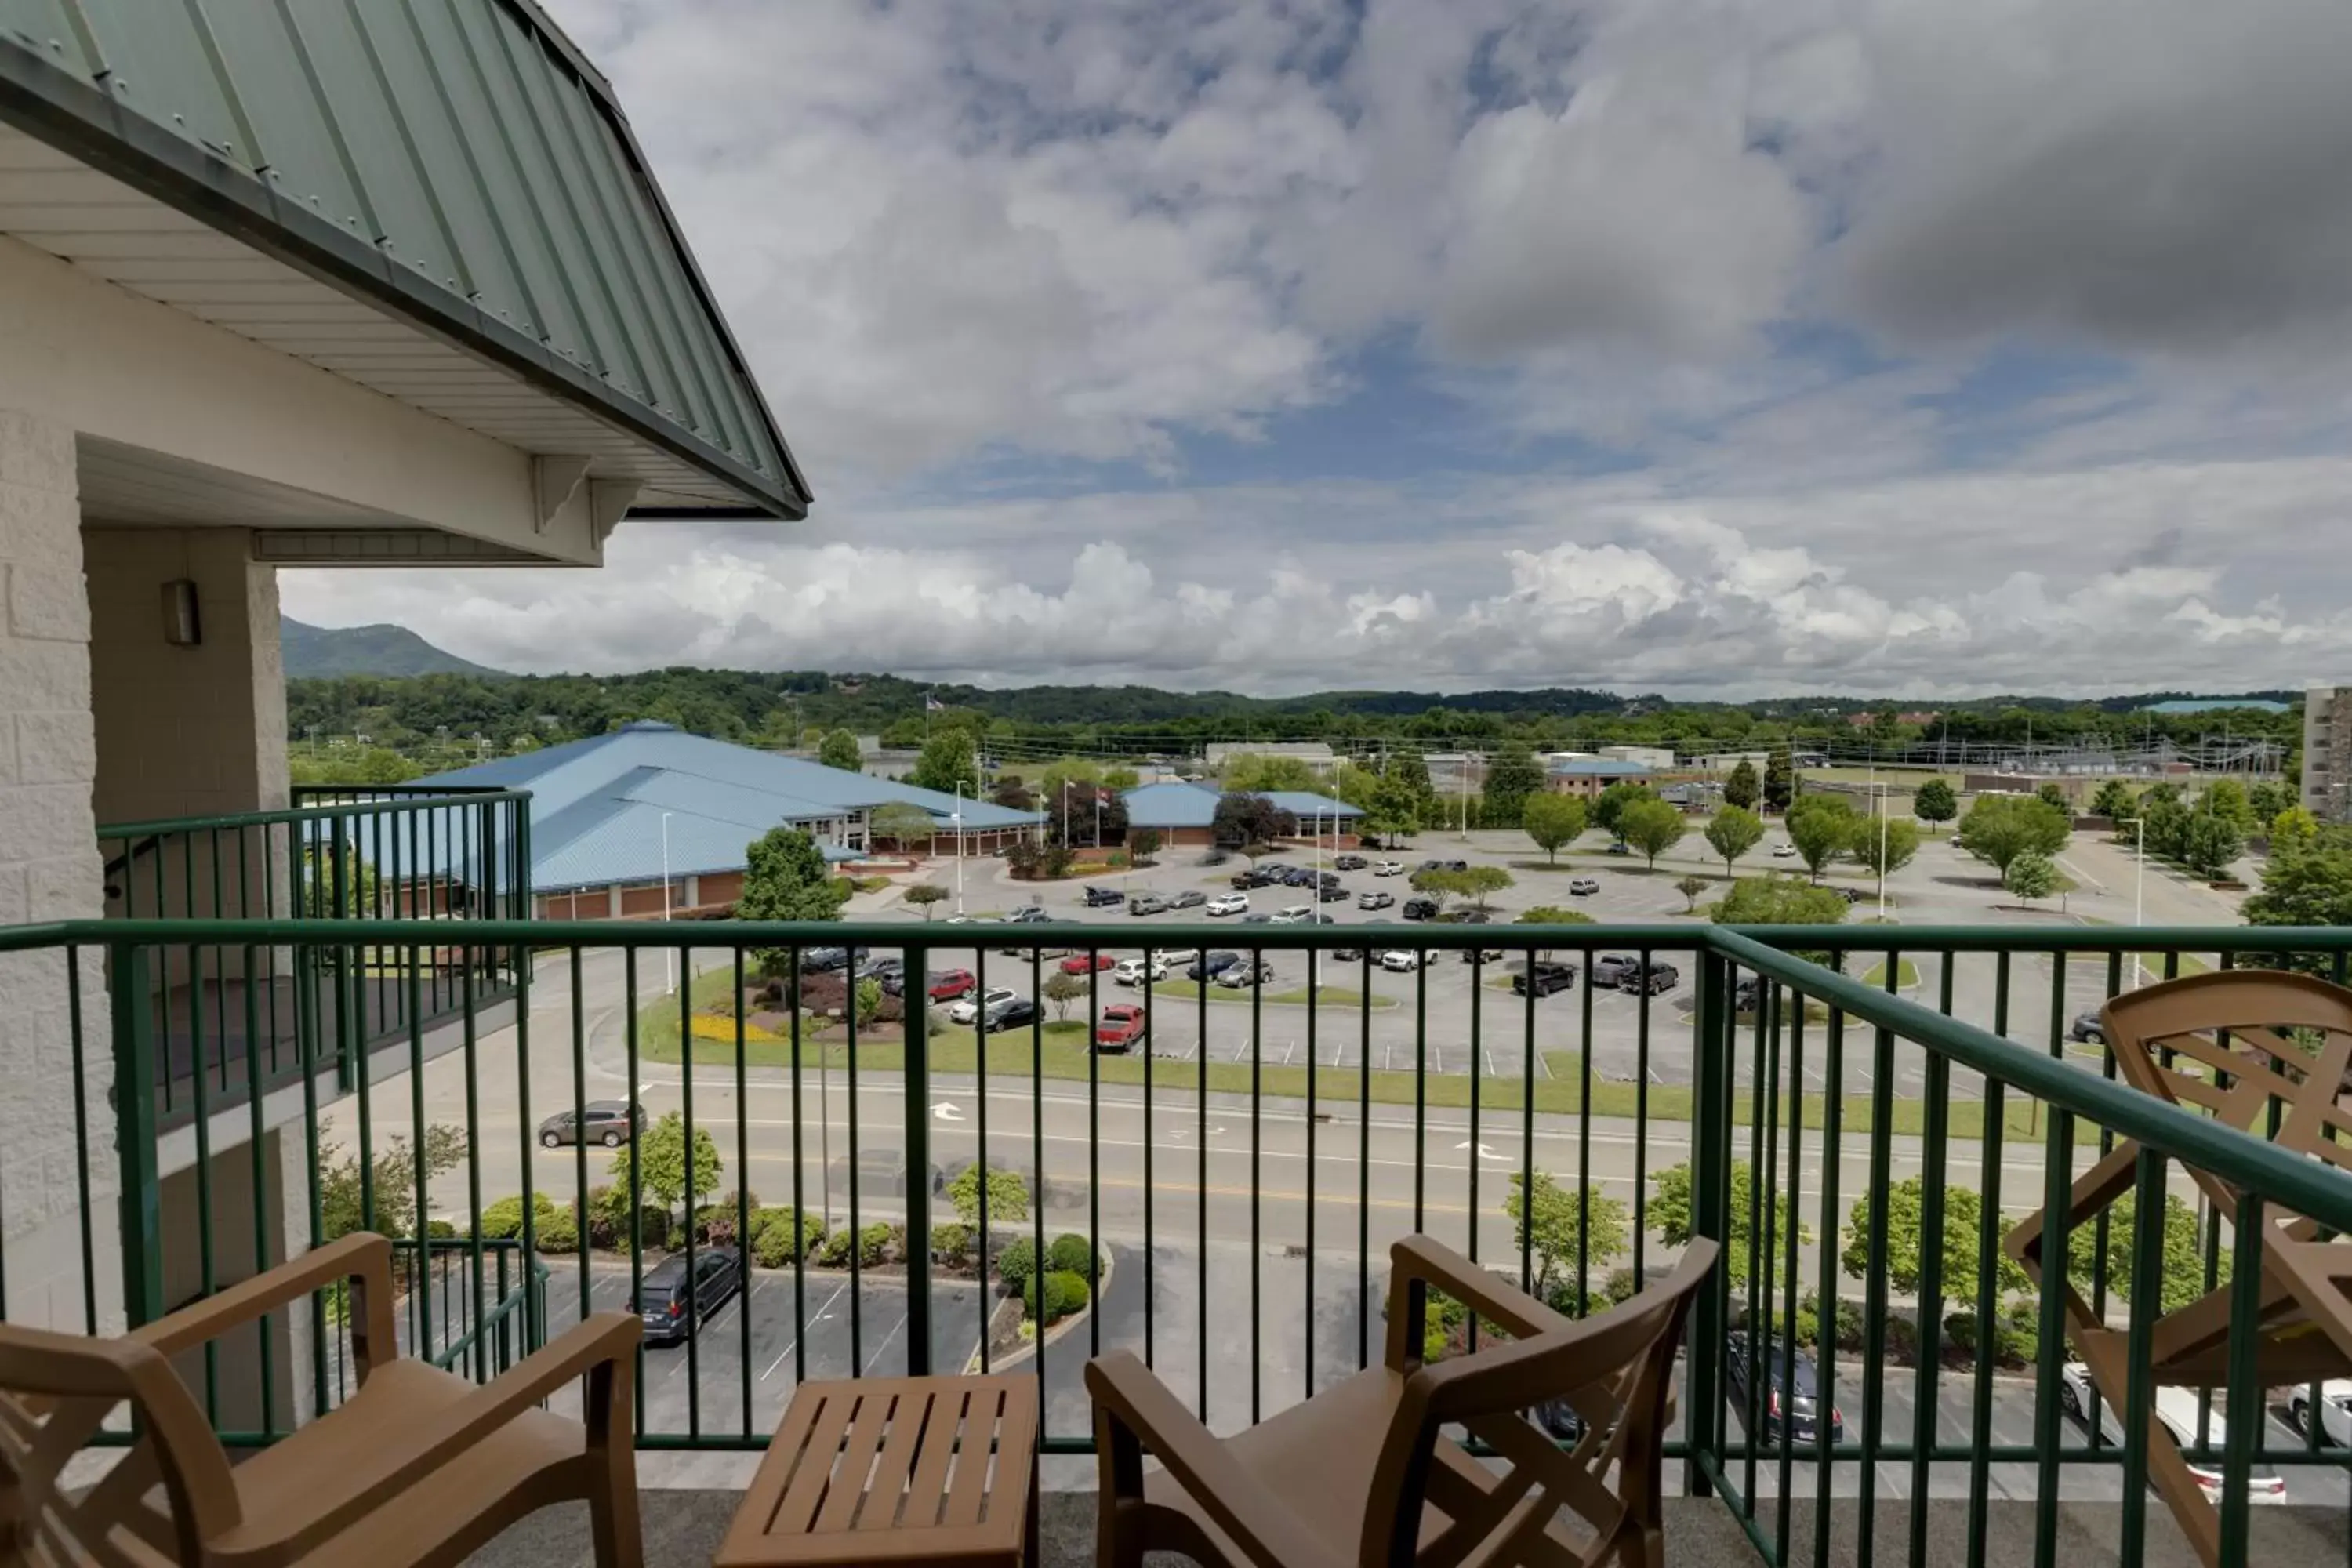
x=1483, y=1152
x=946, y=1111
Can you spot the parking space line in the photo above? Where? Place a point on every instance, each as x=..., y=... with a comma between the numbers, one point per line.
x=886, y=1343
x=822, y=1312
x=1289, y=1047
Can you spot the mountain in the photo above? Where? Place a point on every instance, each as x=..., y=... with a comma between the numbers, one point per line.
x=365, y=650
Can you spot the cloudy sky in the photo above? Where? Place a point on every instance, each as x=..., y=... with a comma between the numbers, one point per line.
x=1682, y=345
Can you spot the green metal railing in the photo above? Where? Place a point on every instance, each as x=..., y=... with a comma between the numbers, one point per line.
x=433, y=854
x=1244, y=1170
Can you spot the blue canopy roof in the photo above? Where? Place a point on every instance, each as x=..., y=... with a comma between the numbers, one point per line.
x=597, y=805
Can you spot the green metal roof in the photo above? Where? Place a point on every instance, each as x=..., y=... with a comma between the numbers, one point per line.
x=457, y=162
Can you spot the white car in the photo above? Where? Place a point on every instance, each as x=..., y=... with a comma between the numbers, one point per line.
x=1229, y=904
x=967, y=1009
x=1296, y=915
x=1784, y=852
x=2334, y=1410
x=1176, y=956
x=1401, y=960
x=1389, y=869
x=1131, y=971
x=2177, y=1408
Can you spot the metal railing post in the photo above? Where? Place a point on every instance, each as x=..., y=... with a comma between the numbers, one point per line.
x=917, y=997
x=1710, y=1200
x=132, y=1008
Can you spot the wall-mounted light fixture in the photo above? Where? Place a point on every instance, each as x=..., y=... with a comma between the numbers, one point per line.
x=181, y=626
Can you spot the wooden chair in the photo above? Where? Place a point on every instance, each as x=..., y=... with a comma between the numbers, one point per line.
x=1364, y=1464
x=419, y=1465
x=2169, y=1041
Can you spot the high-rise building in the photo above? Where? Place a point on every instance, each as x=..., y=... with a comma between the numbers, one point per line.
x=2327, y=752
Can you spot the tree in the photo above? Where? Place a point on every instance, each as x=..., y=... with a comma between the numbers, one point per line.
x=1479, y=883
x=1409, y=768
x=1779, y=780
x=1008, y=1194
x=865, y=999
x=1062, y=988
x=1513, y=777
x=390, y=1180
x=2227, y=799
x=2116, y=800
x=1774, y=900
x=1904, y=1227
x=1690, y=888
x=658, y=1156
x=2213, y=847
x=1935, y=802
x=923, y=895
x=1561, y=1230
x=1552, y=821
x=1142, y=844
x=949, y=758
x=1653, y=826
x=1887, y=845
x=902, y=823
x=2164, y=827
x=2051, y=795
x=839, y=750
x=1733, y=832
x=1551, y=915
x=2293, y=828
x=2307, y=882
x=2266, y=799
x=1438, y=883
x=2001, y=828
x=1669, y=1215
x=2031, y=875
x=785, y=879
x=1120, y=780
x=1250, y=819
x=1250, y=773
x=2183, y=1273
x=1609, y=809
x=1013, y=795
x=1084, y=812
x=1821, y=827
x=1743, y=789
x=1395, y=809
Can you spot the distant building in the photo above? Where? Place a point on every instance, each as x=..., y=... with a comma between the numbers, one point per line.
x=2327, y=752
x=1186, y=813
x=1648, y=756
x=1725, y=762
x=1586, y=777
x=2220, y=704
x=1314, y=754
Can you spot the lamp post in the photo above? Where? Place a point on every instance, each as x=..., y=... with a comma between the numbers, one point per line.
x=2139, y=885
x=669, y=954
x=956, y=817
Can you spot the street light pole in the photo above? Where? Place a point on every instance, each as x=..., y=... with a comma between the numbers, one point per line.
x=2139, y=884
x=956, y=817
x=669, y=954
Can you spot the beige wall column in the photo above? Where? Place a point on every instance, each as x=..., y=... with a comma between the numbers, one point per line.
x=49, y=870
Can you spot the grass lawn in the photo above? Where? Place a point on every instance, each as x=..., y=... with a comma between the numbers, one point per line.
x=1907, y=975
x=1328, y=997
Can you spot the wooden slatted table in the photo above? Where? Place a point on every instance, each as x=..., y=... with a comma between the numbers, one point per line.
x=937, y=1470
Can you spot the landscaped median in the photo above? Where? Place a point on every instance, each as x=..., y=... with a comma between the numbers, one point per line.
x=1296, y=996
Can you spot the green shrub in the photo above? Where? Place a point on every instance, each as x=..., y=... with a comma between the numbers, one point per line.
x=441, y=1230
x=714, y=1223
x=780, y=1237
x=1064, y=1292
x=557, y=1232
x=1016, y=1264
x=874, y=1243
x=1072, y=1254
x=501, y=1220
x=951, y=1244
x=835, y=1251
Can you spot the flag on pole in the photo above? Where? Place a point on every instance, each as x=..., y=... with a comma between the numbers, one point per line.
x=932, y=704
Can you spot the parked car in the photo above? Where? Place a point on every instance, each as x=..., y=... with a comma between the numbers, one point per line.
x=1389, y=869
x=1131, y=971
x=1245, y=881
x=1229, y=904
x=1784, y=852
x=1331, y=893
x=1172, y=956
x=1299, y=877
x=611, y=1122
x=1583, y=887
x=969, y=1008
x=1259, y=918
x=1347, y=954
x=1320, y=918
x=1013, y=1012
x=1207, y=965
x=1376, y=900
x=1401, y=960
x=1351, y=862
x=1296, y=914
x=879, y=1171
x=1234, y=976
x=2088, y=1027
x=1087, y=963
x=2334, y=1410
x=1623, y=972
x=882, y=967
x=2178, y=1409
x=670, y=1303
x=1791, y=1411
x=1189, y=898
x=1420, y=910
x=1097, y=898
x=947, y=984
x=824, y=960
x=1479, y=954
x=1216, y=856
x=1121, y=1029
x=1546, y=978
x=1147, y=904
x=1027, y=915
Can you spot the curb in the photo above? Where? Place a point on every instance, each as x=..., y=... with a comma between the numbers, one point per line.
x=1014, y=1357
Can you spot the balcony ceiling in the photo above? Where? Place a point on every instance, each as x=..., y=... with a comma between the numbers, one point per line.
x=439, y=202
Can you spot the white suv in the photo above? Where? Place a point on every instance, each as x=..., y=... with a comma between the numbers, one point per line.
x=1131, y=971
x=1389, y=869
x=1229, y=904
x=1296, y=915
x=968, y=1009
x=1403, y=959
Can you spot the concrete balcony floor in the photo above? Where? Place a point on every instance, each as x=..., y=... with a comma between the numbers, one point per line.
x=683, y=1527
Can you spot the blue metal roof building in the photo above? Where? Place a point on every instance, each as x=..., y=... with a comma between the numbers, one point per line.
x=2214, y=705
x=1178, y=808
x=598, y=806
